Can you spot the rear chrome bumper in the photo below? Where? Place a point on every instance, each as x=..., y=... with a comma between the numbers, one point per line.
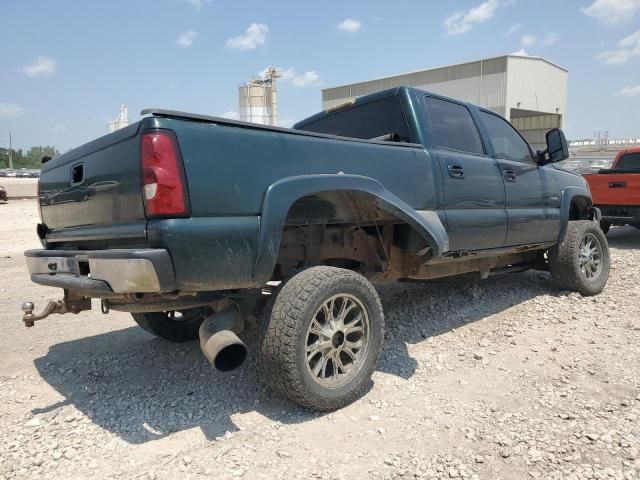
x=100, y=273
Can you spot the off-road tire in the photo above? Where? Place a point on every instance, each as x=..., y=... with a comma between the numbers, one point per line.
x=283, y=326
x=162, y=325
x=564, y=262
x=605, y=226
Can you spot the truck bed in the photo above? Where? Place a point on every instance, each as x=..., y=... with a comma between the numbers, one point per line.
x=615, y=187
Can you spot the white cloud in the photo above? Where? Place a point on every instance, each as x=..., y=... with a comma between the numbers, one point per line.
x=11, y=110
x=520, y=53
x=350, y=25
x=232, y=115
x=630, y=91
x=289, y=75
x=306, y=79
x=40, y=66
x=528, y=40
x=463, y=21
x=186, y=39
x=197, y=4
x=253, y=37
x=550, y=38
x=627, y=48
x=612, y=12
x=513, y=29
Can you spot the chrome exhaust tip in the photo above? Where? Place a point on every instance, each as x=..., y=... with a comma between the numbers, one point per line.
x=219, y=342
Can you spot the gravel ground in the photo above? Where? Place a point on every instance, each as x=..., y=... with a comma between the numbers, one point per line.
x=20, y=187
x=504, y=378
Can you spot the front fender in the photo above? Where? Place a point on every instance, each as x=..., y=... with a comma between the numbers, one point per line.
x=281, y=195
x=567, y=196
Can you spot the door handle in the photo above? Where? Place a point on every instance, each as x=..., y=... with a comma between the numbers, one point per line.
x=455, y=171
x=509, y=175
x=617, y=184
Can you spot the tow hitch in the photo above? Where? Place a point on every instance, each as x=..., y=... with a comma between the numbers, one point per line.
x=69, y=304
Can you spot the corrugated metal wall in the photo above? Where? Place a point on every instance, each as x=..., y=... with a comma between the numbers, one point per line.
x=482, y=83
x=537, y=85
x=530, y=91
x=533, y=125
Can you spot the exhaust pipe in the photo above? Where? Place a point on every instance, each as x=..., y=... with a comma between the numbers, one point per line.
x=219, y=342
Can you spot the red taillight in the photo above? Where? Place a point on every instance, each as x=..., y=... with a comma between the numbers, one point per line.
x=163, y=186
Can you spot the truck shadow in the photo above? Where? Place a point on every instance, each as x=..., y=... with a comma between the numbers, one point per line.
x=141, y=388
x=624, y=237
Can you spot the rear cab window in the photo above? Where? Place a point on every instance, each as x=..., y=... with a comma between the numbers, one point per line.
x=506, y=141
x=365, y=121
x=629, y=161
x=452, y=127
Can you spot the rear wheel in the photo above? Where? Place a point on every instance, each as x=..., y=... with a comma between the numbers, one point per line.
x=581, y=262
x=175, y=326
x=322, y=338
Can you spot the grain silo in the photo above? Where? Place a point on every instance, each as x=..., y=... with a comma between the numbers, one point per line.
x=120, y=122
x=258, y=103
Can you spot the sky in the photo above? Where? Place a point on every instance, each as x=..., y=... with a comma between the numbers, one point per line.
x=67, y=66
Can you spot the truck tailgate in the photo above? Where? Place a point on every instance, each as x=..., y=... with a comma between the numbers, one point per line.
x=614, y=188
x=93, y=190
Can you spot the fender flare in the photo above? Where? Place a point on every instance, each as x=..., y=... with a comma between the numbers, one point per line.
x=281, y=195
x=567, y=196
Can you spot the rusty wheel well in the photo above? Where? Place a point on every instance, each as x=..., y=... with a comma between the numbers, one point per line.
x=346, y=229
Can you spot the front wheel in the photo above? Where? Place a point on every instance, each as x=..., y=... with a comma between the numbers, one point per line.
x=581, y=262
x=322, y=339
x=175, y=326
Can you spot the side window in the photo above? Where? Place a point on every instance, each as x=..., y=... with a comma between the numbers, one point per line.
x=365, y=121
x=507, y=142
x=452, y=126
x=629, y=161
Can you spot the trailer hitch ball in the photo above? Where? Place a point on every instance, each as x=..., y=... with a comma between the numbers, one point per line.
x=66, y=305
x=27, y=308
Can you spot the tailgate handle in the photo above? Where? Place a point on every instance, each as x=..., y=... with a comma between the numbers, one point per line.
x=77, y=174
x=617, y=184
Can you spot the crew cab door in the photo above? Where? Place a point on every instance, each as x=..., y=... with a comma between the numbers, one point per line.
x=473, y=189
x=533, y=205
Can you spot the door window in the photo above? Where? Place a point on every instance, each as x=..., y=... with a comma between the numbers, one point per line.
x=452, y=126
x=507, y=142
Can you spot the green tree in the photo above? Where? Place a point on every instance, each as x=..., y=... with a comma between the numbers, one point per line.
x=33, y=158
x=18, y=157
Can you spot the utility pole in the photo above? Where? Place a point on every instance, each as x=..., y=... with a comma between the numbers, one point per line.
x=10, y=153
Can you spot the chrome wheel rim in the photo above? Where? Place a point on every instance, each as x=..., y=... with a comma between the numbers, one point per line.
x=590, y=256
x=337, y=340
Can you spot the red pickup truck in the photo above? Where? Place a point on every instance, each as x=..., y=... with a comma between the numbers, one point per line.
x=616, y=190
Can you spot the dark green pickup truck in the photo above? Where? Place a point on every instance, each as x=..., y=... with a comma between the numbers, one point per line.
x=195, y=223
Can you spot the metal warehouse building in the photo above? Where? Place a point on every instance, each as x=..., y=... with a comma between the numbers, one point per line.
x=530, y=91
